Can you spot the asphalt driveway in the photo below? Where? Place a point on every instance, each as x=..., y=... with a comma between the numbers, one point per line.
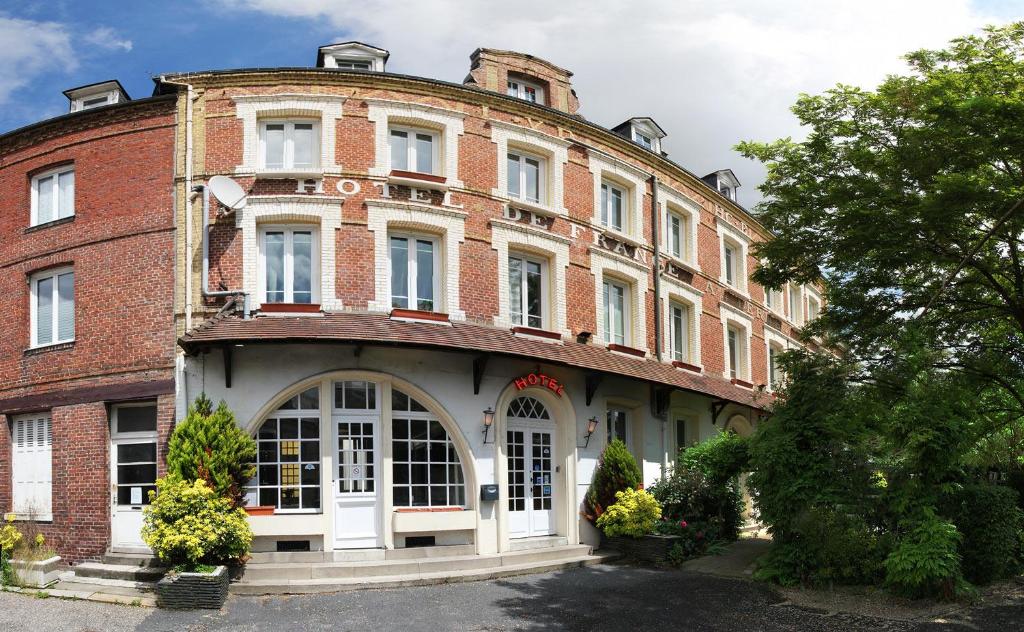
x=596, y=598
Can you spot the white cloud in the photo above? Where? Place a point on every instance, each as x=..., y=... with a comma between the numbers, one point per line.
x=106, y=37
x=710, y=73
x=29, y=49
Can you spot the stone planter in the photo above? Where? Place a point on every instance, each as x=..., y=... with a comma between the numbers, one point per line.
x=37, y=573
x=653, y=549
x=188, y=591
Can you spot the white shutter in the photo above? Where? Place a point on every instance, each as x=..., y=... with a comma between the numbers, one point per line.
x=32, y=466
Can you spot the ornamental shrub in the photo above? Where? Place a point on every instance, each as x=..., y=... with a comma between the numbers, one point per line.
x=721, y=458
x=926, y=561
x=687, y=494
x=208, y=445
x=632, y=515
x=189, y=524
x=991, y=522
x=616, y=471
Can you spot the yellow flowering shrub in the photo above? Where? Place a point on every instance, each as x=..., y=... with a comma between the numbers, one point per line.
x=9, y=535
x=633, y=515
x=188, y=524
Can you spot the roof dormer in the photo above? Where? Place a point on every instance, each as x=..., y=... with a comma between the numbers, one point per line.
x=96, y=95
x=352, y=56
x=643, y=131
x=724, y=181
x=523, y=77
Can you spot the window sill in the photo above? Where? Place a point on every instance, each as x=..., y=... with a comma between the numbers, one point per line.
x=418, y=180
x=57, y=346
x=533, y=207
x=637, y=353
x=618, y=235
x=681, y=263
x=729, y=287
x=693, y=368
x=289, y=174
x=530, y=332
x=417, y=316
x=49, y=224
x=428, y=509
x=741, y=383
x=290, y=308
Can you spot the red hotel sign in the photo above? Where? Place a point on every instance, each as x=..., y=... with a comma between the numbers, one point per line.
x=539, y=379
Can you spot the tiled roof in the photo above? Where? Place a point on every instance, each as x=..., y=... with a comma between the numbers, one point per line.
x=379, y=329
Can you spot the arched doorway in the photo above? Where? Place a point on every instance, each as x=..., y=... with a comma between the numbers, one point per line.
x=530, y=458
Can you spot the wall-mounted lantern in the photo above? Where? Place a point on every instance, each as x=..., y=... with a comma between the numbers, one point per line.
x=591, y=427
x=488, y=422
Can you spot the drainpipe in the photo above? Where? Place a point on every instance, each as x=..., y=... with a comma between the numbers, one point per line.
x=655, y=228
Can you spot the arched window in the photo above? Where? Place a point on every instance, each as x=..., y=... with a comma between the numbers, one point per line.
x=426, y=469
x=527, y=408
x=288, y=456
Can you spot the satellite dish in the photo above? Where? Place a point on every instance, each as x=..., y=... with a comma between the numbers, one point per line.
x=227, y=192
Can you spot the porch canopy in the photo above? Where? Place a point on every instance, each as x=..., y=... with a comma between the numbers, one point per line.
x=482, y=341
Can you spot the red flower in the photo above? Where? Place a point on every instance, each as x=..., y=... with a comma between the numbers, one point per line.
x=682, y=524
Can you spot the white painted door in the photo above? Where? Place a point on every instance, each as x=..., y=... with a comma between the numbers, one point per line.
x=531, y=481
x=133, y=447
x=357, y=520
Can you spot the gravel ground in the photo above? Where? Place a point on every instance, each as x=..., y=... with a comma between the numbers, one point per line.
x=597, y=598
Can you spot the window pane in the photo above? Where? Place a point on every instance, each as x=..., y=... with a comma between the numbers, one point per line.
x=616, y=212
x=733, y=353
x=513, y=89
x=513, y=175
x=302, y=142
x=425, y=275
x=399, y=150
x=675, y=236
x=66, y=306
x=44, y=311
x=533, y=294
x=67, y=194
x=604, y=204
x=532, y=171
x=728, y=264
x=424, y=153
x=273, y=141
x=274, y=254
x=136, y=453
x=515, y=289
x=44, y=199
x=302, y=269
x=399, y=272
x=136, y=419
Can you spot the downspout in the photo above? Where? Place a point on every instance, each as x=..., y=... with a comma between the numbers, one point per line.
x=656, y=230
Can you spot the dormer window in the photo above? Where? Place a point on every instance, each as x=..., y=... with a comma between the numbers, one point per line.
x=96, y=95
x=525, y=90
x=643, y=139
x=727, y=191
x=352, y=56
x=352, y=64
x=724, y=181
x=643, y=131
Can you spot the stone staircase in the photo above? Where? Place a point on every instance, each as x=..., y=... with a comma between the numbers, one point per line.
x=134, y=571
x=317, y=572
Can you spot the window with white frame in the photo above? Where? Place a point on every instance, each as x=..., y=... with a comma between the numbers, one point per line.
x=415, y=272
x=288, y=456
x=774, y=372
x=53, y=195
x=414, y=150
x=813, y=307
x=677, y=232
x=289, y=259
x=289, y=145
x=351, y=64
x=643, y=139
x=773, y=300
x=526, y=90
x=616, y=312
x=527, y=288
x=32, y=466
x=796, y=312
x=680, y=323
x=613, y=206
x=737, y=352
x=53, y=307
x=732, y=268
x=618, y=424
x=426, y=470
x=526, y=179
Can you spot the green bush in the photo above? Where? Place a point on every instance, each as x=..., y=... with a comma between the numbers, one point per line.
x=189, y=524
x=208, y=445
x=990, y=521
x=721, y=458
x=633, y=514
x=687, y=494
x=926, y=561
x=616, y=471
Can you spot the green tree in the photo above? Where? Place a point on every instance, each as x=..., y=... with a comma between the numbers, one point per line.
x=616, y=471
x=208, y=445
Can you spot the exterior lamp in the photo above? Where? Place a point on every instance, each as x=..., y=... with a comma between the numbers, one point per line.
x=591, y=427
x=488, y=422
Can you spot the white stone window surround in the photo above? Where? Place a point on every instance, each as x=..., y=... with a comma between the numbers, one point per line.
x=811, y=294
x=780, y=342
x=253, y=107
x=384, y=113
x=605, y=264
x=509, y=236
x=555, y=153
x=633, y=180
x=738, y=238
x=742, y=321
x=678, y=292
x=320, y=210
x=671, y=201
x=448, y=224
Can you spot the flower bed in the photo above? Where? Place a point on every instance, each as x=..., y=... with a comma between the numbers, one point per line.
x=653, y=549
x=188, y=591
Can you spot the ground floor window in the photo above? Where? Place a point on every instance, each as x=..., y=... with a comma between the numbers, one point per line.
x=426, y=471
x=618, y=425
x=32, y=466
x=288, y=456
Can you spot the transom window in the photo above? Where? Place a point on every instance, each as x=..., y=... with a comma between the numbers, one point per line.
x=616, y=317
x=288, y=456
x=527, y=286
x=613, y=209
x=413, y=150
x=677, y=228
x=526, y=407
x=525, y=90
x=426, y=470
x=525, y=177
x=289, y=145
x=355, y=395
x=53, y=307
x=679, y=331
x=290, y=265
x=415, y=279
x=53, y=195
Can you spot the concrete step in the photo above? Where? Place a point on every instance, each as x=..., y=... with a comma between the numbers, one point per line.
x=418, y=552
x=541, y=542
x=359, y=555
x=105, y=585
x=131, y=559
x=121, y=572
x=337, y=584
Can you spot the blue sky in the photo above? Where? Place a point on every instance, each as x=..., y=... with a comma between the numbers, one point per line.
x=710, y=75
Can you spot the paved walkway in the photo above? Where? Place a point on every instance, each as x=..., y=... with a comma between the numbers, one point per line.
x=606, y=598
x=737, y=560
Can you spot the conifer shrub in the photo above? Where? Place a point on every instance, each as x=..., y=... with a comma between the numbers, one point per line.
x=616, y=471
x=209, y=446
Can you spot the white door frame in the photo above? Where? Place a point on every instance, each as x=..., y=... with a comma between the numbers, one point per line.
x=117, y=439
x=528, y=427
x=371, y=503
